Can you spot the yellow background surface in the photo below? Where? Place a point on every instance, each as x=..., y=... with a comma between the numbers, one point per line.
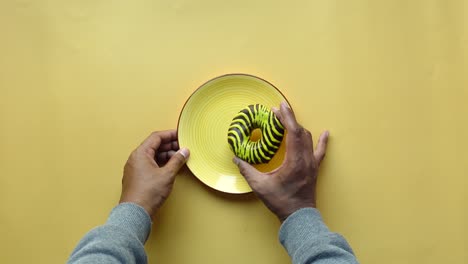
x=83, y=82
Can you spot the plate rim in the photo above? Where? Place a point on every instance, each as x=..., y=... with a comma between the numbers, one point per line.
x=200, y=87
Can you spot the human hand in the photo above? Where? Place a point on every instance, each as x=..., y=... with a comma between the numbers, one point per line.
x=150, y=170
x=291, y=186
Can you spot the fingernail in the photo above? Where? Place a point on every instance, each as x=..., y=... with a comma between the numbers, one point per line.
x=285, y=104
x=274, y=109
x=326, y=135
x=235, y=160
x=184, y=152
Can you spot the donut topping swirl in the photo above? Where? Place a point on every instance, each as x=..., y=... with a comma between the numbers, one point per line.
x=248, y=119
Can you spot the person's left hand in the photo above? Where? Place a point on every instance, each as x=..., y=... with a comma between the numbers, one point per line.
x=151, y=169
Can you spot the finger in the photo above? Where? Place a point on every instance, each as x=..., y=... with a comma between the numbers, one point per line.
x=309, y=143
x=156, y=138
x=174, y=145
x=248, y=171
x=321, y=146
x=288, y=117
x=295, y=132
x=177, y=160
x=277, y=113
x=163, y=157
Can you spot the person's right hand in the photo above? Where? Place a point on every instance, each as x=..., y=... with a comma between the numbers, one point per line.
x=291, y=186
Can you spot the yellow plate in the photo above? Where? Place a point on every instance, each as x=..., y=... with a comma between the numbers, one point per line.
x=204, y=122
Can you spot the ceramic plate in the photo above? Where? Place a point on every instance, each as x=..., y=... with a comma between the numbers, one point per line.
x=204, y=122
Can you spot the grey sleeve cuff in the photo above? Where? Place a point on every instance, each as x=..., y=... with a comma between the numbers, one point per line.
x=132, y=218
x=308, y=240
x=302, y=225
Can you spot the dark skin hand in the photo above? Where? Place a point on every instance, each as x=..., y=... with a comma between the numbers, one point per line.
x=291, y=186
x=150, y=171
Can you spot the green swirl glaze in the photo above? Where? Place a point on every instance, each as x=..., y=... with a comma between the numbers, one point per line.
x=248, y=119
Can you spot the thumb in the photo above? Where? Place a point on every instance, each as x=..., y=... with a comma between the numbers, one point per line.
x=320, y=151
x=177, y=161
x=247, y=170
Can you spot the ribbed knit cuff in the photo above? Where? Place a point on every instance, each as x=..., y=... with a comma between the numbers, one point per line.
x=132, y=218
x=301, y=225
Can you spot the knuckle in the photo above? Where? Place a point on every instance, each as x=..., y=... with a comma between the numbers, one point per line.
x=242, y=170
x=130, y=163
x=174, y=166
x=132, y=156
x=179, y=157
x=319, y=158
x=297, y=131
x=165, y=155
x=154, y=133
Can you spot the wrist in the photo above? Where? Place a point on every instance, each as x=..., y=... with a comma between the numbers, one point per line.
x=148, y=209
x=291, y=210
x=133, y=218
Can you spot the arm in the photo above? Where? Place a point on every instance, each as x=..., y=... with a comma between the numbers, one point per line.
x=289, y=192
x=307, y=240
x=148, y=178
x=120, y=240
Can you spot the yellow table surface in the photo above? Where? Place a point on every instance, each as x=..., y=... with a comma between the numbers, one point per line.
x=83, y=82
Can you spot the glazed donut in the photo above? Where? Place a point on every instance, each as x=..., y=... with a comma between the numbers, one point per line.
x=248, y=119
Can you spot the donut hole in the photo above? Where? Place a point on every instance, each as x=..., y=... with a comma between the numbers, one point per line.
x=256, y=134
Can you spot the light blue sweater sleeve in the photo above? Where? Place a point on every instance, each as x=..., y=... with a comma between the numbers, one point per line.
x=120, y=240
x=307, y=240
